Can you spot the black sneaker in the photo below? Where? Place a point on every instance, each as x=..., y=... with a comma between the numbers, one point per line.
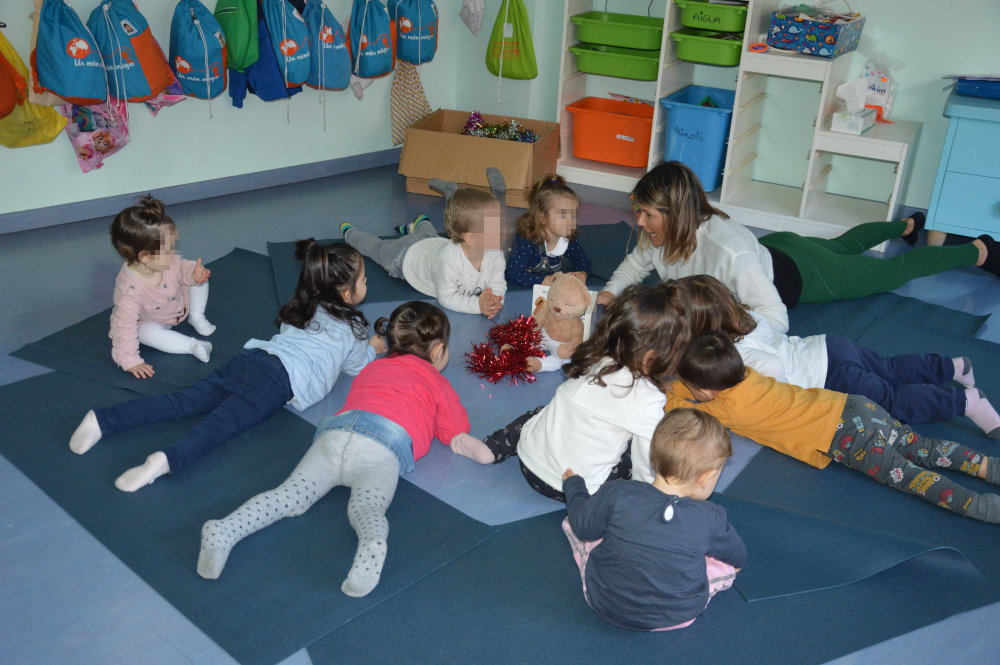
x=918, y=225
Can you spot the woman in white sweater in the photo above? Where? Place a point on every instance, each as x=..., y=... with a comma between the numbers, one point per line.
x=914, y=388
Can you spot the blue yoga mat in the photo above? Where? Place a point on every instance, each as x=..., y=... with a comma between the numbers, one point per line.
x=242, y=304
x=523, y=585
x=280, y=590
x=605, y=244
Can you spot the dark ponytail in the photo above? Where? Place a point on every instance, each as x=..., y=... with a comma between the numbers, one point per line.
x=327, y=271
x=413, y=328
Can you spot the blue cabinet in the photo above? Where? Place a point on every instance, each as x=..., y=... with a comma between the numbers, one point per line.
x=966, y=197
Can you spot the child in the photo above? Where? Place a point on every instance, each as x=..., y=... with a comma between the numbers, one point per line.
x=613, y=396
x=653, y=555
x=464, y=273
x=546, y=237
x=155, y=290
x=322, y=334
x=913, y=388
x=784, y=268
x=395, y=407
x=816, y=425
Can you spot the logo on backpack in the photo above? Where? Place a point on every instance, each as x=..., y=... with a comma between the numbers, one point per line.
x=326, y=35
x=78, y=48
x=289, y=47
x=405, y=25
x=182, y=66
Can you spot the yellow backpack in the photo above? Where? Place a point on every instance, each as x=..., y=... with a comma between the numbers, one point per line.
x=27, y=124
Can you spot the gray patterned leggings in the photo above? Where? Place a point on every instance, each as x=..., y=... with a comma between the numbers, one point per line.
x=336, y=457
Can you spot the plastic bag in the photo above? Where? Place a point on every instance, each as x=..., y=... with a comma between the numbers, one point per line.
x=881, y=84
x=96, y=131
x=510, y=52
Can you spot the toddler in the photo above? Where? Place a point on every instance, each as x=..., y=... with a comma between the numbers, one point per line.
x=614, y=396
x=546, y=237
x=816, y=425
x=914, y=388
x=322, y=334
x=655, y=553
x=155, y=290
x=464, y=271
x=396, y=405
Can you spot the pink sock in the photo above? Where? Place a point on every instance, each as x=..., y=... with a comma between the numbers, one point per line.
x=979, y=410
x=963, y=372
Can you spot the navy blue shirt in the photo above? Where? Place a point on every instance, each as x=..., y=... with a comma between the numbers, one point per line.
x=649, y=572
x=525, y=267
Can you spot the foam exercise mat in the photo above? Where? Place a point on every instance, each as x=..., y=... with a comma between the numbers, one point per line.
x=523, y=584
x=604, y=243
x=241, y=303
x=281, y=587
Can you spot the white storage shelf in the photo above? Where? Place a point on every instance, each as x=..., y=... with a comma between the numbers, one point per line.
x=805, y=206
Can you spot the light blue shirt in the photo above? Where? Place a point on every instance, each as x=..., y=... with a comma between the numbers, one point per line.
x=316, y=355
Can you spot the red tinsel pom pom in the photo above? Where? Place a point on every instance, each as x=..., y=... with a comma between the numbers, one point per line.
x=506, y=353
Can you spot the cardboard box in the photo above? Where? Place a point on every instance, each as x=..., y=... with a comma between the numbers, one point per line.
x=435, y=147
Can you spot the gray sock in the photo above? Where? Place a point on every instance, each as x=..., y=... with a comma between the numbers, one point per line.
x=985, y=508
x=497, y=184
x=446, y=187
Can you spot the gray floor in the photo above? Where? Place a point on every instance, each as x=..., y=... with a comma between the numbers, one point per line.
x=65, y=599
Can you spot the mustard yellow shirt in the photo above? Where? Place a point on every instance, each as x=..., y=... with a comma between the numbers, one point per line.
x=796, y=421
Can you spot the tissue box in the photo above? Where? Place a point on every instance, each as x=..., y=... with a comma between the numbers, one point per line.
x=853, y=123
x=821, y=38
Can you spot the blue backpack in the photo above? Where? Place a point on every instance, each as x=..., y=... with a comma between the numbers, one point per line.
x=416, y=29
x=197, y=50
x=370, y=39
x=329, y=59
x=289, y=40
x=65, y=60
x=264, y=77
x=136, y=67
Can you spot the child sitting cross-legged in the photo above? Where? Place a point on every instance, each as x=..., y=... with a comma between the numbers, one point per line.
x=464, y=271
x=655, y=553
x=816, y=425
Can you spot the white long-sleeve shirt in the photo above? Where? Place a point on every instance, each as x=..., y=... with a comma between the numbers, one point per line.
x=586, y=427
x=801, y=361
x=438, y=267
x=725, y=250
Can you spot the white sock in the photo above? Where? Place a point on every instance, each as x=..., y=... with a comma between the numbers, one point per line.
x=200, y=324
x=979, y=410
x=367, y=569
x=469, y=446
x=156, y=465
x=87, y=433
x=963, y=372
x=215, y=549
x=201, y=349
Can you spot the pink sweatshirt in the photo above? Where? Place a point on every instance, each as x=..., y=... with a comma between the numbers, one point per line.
x=136, y=302
x=410, y=392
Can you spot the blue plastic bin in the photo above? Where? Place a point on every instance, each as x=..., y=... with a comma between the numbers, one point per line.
x=695, y=134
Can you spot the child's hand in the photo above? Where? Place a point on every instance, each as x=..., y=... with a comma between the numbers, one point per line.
x=201, y=273
x=568, y=473
x=605, y=298
x=489, y=303
x=379, y=344
x=141, y=371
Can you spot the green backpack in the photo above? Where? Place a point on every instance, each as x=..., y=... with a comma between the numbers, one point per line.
x=510, y=52
x=238, y=19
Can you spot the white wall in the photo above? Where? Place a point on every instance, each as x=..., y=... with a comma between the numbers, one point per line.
x=183, y=145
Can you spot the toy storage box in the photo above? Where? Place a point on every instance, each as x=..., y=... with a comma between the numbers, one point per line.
x=435, y=147
x=623, y=30
x=612, y=131
x=820, y=38
x=696, y=135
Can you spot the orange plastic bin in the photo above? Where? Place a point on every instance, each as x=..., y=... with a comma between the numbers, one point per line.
x=612, y=131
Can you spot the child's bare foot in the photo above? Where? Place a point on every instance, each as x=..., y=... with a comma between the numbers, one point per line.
x=156, y=465
x=87, y=433
x=469, y=446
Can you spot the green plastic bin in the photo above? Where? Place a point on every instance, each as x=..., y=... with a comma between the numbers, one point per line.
x=710, y=48
x=709, y=16
x=626, y=63
x=623, y=30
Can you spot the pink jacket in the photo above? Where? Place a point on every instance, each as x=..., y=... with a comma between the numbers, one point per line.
x=410, y=392
x=136, y=302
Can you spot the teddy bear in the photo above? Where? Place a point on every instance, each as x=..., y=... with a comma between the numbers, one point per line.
x=558, y=317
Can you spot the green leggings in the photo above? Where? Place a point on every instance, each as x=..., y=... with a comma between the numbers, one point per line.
x=835, y=268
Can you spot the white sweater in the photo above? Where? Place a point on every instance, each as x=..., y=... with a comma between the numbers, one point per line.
x=586, y=427
x=725, y=250
x=438, y=267
x=801, y=361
